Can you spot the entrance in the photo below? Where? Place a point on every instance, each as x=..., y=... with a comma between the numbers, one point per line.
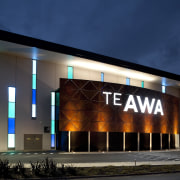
x=32, y=141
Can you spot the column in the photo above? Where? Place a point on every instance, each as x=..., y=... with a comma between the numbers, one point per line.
x=69, y=141
x=138, y=141
x=161, y=141
x=150, y=141
x=89, y=141
x=124, y=141
x=107, y=141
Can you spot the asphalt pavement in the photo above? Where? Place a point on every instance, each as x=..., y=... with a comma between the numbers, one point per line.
x=84, y=159
x=169, y=176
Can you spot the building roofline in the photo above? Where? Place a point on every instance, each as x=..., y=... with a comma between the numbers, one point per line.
x=33, y=42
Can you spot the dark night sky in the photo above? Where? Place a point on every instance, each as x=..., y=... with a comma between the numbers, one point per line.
x=146, y=32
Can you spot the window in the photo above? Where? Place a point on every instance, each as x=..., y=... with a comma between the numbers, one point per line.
x=11, y=116
x=142, y=84
x=34, y=78
x=70, y=72
x=52, y=119
x=163, y=89
x=102, y=77
x=127, y=81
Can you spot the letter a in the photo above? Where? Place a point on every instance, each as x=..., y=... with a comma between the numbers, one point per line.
x=158, y=108
x=130, y=104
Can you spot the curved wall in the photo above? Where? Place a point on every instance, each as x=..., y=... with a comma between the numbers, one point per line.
x=84, y=107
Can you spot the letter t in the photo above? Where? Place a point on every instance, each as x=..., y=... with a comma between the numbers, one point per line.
x=107, y=94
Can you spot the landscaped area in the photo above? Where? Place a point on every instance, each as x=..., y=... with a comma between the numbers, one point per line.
x=49, y=168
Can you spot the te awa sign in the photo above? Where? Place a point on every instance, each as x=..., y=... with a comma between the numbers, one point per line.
x=131, y=103
x=101, y=107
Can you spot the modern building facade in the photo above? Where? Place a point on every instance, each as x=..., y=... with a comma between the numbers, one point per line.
x=57, y=97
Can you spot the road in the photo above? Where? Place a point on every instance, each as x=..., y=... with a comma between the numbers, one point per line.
x=96, y=157
x=169, y=176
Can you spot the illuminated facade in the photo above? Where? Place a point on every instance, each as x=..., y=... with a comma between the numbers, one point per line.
x=56, y=97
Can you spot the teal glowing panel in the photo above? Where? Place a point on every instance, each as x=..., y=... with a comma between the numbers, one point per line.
x=11, y=110
x=57, y=98
x=70, y=72
x=163, y=89
x=53, y=127
x=127, y=81
x=102, y=77
x=142, y=84
x=34, y=81
x=11, y=125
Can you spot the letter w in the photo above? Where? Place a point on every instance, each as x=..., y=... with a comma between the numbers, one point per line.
x=146, y=104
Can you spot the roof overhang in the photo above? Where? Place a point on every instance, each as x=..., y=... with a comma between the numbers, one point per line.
x=19, y=45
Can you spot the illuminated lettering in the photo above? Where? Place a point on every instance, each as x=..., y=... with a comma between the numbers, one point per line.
x=158, y=108
x=107, y=96
x=130, y=104
x=146, y=104
x=117, y=99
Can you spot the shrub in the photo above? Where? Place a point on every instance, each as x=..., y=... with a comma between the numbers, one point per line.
x=44, y=167
x=4, y=168
x=19, y=168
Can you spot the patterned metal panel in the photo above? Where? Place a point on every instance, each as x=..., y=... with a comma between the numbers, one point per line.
x=83, y=108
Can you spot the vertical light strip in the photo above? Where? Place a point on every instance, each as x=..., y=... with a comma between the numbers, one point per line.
x=11, y=116
x=102, y=77
x=142, y=84
x=34, y=79
x=70, y=72
x=163, y=89
x=127, y=81
x=52, y=119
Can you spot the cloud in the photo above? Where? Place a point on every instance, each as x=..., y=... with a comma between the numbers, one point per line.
x=166, y=57
x=144, y=32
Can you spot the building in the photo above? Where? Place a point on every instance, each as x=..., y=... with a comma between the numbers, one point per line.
x=57, y=97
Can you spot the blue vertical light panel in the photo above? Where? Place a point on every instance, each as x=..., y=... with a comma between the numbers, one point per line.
x=11, y=116
x=102, y=77
x=127, y=81
x=52, y=119
x=70, y=72
x=34, y=78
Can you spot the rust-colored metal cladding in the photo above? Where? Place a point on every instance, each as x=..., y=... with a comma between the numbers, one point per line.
x=83, y=107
